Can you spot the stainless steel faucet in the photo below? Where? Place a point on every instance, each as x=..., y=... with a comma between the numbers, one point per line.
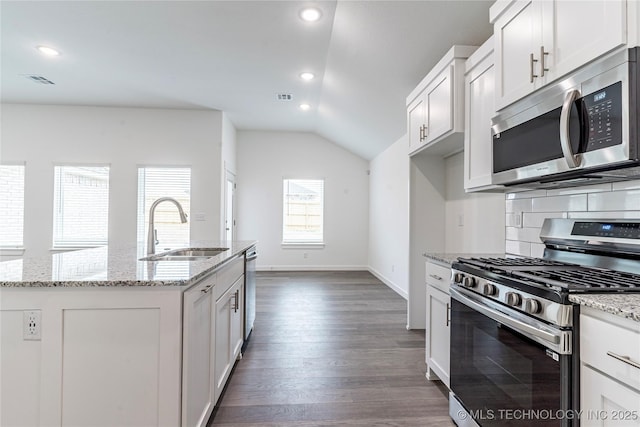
x=153, y=236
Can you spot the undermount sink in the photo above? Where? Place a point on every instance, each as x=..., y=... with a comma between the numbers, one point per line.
x=187, y=254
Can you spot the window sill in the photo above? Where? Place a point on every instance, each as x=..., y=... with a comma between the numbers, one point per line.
x=286, y=245
x=11, y=252
x=72, y=248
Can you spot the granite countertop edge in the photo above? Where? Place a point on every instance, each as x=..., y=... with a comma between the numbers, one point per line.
x=121, y=261
x=623, y=305
x=446, y=259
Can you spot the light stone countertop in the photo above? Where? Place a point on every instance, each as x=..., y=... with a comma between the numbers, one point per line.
x=446, y=259
x=113, y=266
x=623, y=305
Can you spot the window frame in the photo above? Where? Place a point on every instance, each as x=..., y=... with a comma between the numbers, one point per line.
x=302, y=244
x=16, y=250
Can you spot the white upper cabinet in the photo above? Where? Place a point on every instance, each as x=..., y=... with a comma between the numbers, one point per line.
x=435, y=108
x=479, y=84
x=539, y=41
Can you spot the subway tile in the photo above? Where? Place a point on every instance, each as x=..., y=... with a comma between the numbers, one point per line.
x=626, y=185
x=517, y=248
x=598, y=188
x=627, y=200
x=519, y=205
x=529, y=194
x=535, y=219
x=523, y=234
x=537, y=250
x=605, y=215
x=576, y=202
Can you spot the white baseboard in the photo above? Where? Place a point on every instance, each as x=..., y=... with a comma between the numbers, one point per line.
x=389, y=283
x=312, y=268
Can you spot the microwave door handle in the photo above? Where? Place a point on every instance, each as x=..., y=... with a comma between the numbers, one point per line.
x=573, y=160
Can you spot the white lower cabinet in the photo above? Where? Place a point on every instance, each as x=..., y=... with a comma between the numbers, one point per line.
x=438, y=315
x=198, y=391
x=229, y=313
x=609, y=370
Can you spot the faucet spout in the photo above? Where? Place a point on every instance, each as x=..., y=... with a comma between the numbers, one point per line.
x=151, y=237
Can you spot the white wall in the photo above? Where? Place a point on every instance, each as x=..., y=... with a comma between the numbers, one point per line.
x=264, y=158
x=617, y=200
x=474, y=221
x=124, y=138
x=389, y=217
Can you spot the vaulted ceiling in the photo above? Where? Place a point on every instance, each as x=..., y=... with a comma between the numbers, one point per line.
x=237, y=56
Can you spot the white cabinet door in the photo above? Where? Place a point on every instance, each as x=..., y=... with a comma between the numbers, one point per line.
x=416, y=118
x=563, y=29
x=223, y=361
x=237, y=319
x=605, y=402
x=439, y=108
x=479, y=109
x=438, y=338
x=198, y=355
x=517, y=33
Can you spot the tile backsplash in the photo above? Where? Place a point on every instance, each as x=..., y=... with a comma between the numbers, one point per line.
x=525, y=211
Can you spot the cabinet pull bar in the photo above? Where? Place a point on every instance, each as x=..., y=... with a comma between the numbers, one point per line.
x=448, y=311
x=625, y=359
x=531, y=62
x=206, y=289
x=421, y=133
x=542, y=66
x=435, y=276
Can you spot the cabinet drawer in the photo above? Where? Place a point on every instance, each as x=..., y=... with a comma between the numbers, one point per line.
x=438, y=276
x=603, y=343
x=228, y=274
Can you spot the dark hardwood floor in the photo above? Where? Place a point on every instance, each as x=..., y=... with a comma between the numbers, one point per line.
x=328, y=349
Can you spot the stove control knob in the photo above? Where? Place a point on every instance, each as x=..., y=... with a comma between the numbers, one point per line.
x=489, y=289
x=468, y=282
x=513, y=299
x=532, y=306
x=457, y=277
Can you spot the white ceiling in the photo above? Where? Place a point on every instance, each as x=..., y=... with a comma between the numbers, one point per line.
x=236, y=56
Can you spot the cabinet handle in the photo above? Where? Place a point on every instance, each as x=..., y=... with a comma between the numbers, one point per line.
x=236, y=297
x=435, y=276
x=426, y=131
x=448, y=311
x=531, y=65
x=542, y=66
x=206, y=289
x=421, y=133
x=625, y=359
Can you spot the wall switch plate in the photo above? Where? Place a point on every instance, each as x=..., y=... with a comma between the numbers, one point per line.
x=32, y=325
x=514, y=219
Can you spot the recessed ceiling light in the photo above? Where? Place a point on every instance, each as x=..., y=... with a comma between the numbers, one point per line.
x=307, y=76
x=49, y=51
x=310, y=14
x=305, y=107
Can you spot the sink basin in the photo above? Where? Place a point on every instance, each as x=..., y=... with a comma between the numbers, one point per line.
x=187, y=254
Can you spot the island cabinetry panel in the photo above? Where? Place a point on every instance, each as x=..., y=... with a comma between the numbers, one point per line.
x=105, y=357
x=229, y=314
x=539, y=41
x=438, y=318
x=609, y=369
x=198, y=391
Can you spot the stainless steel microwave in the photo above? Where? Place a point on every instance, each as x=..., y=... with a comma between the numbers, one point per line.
x=581, y=130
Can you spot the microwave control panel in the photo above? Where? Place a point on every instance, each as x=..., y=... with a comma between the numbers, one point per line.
x=604, y=112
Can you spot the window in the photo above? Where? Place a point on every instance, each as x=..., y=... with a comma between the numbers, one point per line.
x=11, y=206
x=81, y=206
x=303, y=211
x=157, y=182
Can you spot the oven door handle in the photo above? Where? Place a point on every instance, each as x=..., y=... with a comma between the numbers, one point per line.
x=556, y=340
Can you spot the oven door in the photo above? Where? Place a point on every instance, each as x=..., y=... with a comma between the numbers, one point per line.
x=507, y=368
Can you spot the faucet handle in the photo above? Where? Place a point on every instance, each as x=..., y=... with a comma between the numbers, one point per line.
x=155, y=236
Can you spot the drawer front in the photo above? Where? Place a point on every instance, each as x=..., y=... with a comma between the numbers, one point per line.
x=604, y=344
x=227, y=275
x=438, y=276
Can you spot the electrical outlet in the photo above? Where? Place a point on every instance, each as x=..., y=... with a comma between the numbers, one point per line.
x=32, y=325
x=305, y=255
x=460, y=220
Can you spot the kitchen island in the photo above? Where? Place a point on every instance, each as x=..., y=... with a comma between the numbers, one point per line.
x=98, y=337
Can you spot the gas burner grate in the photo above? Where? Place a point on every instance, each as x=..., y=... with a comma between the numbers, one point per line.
x=512, y=262
x=584, y=279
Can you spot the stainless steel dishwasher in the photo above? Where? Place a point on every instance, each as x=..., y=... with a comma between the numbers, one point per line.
x=250, y=291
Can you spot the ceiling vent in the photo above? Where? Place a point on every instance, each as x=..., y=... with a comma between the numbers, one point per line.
x=39, y=79
x=284, y=97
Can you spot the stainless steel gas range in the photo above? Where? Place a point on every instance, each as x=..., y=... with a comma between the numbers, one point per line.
x=514, y=332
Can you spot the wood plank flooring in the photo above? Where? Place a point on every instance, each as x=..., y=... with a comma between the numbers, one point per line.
x=328, y=349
